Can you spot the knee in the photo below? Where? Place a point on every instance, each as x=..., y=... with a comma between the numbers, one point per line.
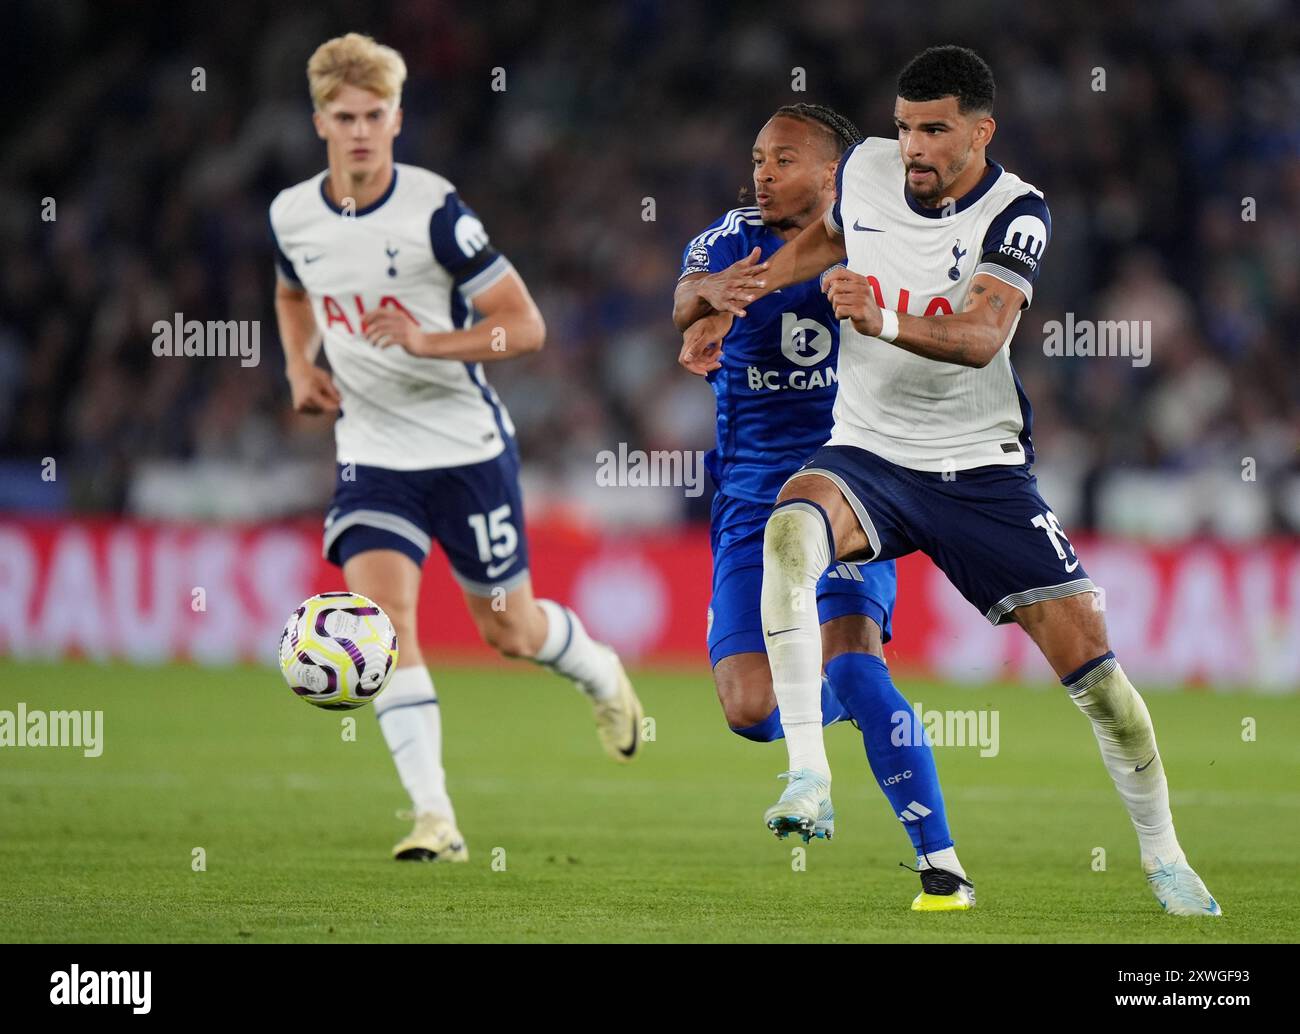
x=741, y=706
x=741, y=714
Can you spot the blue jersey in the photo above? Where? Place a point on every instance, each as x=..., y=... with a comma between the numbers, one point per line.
x=775, y=389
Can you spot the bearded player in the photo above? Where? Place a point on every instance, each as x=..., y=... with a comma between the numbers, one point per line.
x=773, y=376
x=385, y=263
x=931, y=446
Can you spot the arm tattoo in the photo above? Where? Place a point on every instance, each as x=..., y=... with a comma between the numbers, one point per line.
x=957, y=343
x=942, y=337
x=996, y=302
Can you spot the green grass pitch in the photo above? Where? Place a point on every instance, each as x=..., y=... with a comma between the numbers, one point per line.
x=296, y=823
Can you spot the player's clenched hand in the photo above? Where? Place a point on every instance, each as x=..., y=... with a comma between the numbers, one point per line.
x=313, y=390
x=384, y=327
x=731, y=289
x=702, y=343
x=853, y=299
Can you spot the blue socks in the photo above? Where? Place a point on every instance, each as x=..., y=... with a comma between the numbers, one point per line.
x=769, y=728
x=904, y=770
x=858, y=686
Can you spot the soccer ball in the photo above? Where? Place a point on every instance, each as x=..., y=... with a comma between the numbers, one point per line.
x=338, y=650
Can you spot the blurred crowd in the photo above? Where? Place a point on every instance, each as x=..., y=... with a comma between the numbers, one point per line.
x=1165, y=137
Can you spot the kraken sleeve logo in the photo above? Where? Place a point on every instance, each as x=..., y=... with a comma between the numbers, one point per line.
x=1026, y=233
x=470, y=235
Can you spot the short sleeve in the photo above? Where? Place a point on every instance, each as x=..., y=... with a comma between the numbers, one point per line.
x=461, y=246
x=717, y=247
x=833, y=218
x=1014, y=245
x=283, y=267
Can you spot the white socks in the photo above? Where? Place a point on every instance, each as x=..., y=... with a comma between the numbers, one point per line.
x=569, y=651
x=1127, y=739
x=411, y=720
x=945, y=859
x=796, y=551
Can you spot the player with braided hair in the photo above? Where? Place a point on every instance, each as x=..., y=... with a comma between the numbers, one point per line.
x=954, y=483
x=845, y=131
x=838, y=130
x=775, y=386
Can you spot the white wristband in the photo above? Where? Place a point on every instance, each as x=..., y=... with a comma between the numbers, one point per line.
x=888, y=325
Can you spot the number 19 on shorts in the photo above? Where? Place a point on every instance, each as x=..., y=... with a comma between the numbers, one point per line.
x=1048, y=522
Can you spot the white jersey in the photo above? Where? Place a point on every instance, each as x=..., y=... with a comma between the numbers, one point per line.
x=418, y=249
x=917, y=412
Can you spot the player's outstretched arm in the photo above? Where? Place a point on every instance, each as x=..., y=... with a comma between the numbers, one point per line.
x=816, y=249
x=511, y=325
x=312, y=388
x=971, y=337
x=698, y=295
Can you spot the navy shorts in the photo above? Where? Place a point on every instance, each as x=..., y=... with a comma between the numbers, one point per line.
x=735, y=623
x=475, y=513
x=986, y=528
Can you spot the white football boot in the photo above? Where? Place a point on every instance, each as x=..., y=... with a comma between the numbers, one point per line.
x=804, y=808
x=618, y=719
x=434, y=839
x=1178, y=889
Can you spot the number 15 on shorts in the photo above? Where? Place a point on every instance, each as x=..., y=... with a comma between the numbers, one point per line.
x=495, y=534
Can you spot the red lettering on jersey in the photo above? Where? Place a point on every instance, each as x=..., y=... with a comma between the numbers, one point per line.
x=389, y=300
x=938, y=306
x=874, y=284
x=334, y=313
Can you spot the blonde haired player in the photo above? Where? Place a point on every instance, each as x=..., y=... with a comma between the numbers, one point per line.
x=382, y=262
